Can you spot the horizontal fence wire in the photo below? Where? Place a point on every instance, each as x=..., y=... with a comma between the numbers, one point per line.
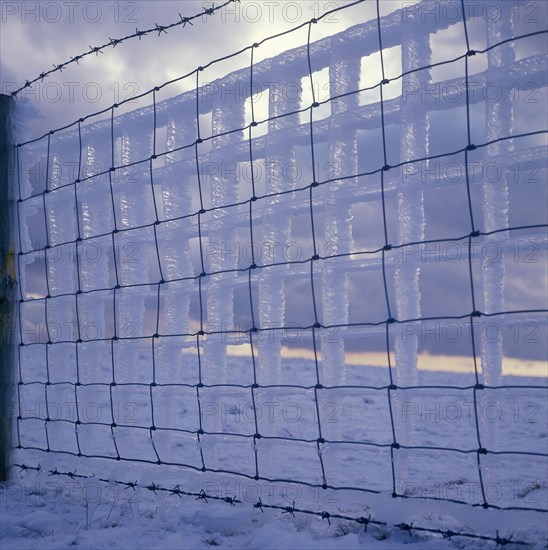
x=206, y=218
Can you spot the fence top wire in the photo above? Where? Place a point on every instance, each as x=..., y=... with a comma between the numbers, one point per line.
x=183, y=21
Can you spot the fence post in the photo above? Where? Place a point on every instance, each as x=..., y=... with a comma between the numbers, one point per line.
x=7, y=279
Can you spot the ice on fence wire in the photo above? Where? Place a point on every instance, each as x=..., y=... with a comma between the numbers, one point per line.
x=60, y=261
x=135, y=252
x=495, y=206
x=271, y=316
x=272, y=292
x=221, y=190
x=344, y=74
x=61, y=327
x=95, y=308
x=335, y=304
x=174, y=199
x=276, y=225
x=413, y=145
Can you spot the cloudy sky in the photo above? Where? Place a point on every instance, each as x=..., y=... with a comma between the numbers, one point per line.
x=37, y=35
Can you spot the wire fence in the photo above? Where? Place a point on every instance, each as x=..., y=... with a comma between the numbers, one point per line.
x=158, y=177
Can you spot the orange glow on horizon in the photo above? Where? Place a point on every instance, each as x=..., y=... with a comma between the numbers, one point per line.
x=512, y=366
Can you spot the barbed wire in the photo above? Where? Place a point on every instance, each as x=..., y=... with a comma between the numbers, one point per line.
x=183, y=21
x=203, y=496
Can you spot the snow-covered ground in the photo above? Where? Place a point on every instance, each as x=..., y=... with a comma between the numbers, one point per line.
x=39, y=510
x=42, y=519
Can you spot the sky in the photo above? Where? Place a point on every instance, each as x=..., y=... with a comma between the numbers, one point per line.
x=59, y=30
x=37, y=35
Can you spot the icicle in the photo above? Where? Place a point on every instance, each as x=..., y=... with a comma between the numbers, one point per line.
x=276, y=230
x=135, y=199
x=227, y=114
x=176, y=259
x=344, y=75
x=500, y=122
x=95, y=310
x=61, y=215
x=414, y=144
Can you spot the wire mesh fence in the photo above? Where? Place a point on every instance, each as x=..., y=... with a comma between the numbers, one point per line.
x=292, y=204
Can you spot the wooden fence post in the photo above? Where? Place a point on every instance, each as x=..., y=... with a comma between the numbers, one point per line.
x=7, y=282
